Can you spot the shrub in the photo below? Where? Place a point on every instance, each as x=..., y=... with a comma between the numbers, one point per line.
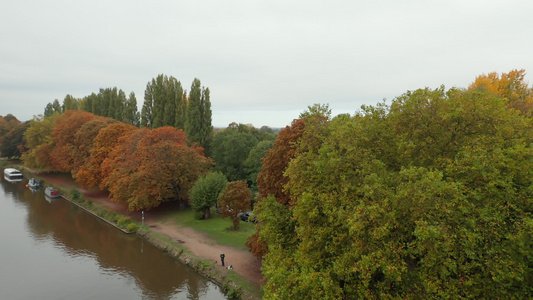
x=199, y=215
x=132, y=227
x=75, y=194
x=123, y=222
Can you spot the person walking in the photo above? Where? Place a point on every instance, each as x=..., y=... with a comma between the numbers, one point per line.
x=222, y=258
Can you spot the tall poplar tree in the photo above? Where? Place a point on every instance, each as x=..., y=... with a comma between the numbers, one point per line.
x=131, y=114
x=198, y=121
x=57, y=107
x=70, y=103
x=162, y=101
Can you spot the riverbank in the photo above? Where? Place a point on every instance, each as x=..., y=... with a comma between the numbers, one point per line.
x=184, y=244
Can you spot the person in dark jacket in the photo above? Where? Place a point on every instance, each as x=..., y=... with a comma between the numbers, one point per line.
x=222, y=258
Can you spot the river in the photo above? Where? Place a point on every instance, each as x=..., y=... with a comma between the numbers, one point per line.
x=55, y=250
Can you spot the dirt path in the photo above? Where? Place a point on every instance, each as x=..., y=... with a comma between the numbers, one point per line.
x=199, y=244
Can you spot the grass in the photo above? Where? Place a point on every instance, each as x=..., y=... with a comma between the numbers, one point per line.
x=244, y=284
x=216, y=228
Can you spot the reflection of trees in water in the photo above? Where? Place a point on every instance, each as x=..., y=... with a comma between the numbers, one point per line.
x=78, y=233
x=16, y=189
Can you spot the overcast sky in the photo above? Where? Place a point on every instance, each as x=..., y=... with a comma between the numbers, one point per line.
x=263, y=61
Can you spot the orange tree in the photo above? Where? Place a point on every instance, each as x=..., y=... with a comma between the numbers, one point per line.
x=234, y=199
x=91, y=173
x=511, y=86
x=149, y=167
x=65, y=155
x=84, y=140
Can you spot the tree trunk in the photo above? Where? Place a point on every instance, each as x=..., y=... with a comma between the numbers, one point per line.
x=207, y=212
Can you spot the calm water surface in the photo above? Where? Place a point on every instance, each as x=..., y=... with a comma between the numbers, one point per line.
x=54, y=250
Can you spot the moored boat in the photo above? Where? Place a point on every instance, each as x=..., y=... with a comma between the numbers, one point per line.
x=51, y=192
x=33, y=183
x=12, y=173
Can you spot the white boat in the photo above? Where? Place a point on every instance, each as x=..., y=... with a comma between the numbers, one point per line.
x=33, y=183
x=51, y=192
x=13, y=173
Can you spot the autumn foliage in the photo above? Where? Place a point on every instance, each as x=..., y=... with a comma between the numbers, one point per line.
x=154, y=166
x=510, y=86
x=140, y=167
x=93, y=171
x=234, y=199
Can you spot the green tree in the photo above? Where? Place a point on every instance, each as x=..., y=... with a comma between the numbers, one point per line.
x=253, y=163
x=204, y=194
x=234, y=199
x=12, y=143
x=230, y=149
x=163, y=103
x=442, y=213
x=52, y=108
x=198, y=116
x=38, y=138
x=70, y=103
x=131, y=114
x=48, y=110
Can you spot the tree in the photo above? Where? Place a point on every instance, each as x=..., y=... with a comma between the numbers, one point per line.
x=204, y=194
x=57, y=107
x=233, y=200
x=8, y=123
x=198, y=116
x=131, y=115
x=12, y=144
x=253, y=163
x=270, y=180
x=230, y=148
x=65, y=153
x=271, y=183
x=112, y=103
x=70, y=103
x=510, y=86
x=149, y=167
x=92, y=172
x=38, y=138
x=48, y=110
x=441, y=214
x=163, y=103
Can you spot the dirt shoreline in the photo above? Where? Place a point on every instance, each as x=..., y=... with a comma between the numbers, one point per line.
x=193, y=248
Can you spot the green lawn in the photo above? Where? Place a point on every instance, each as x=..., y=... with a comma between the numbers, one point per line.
x=217, y=228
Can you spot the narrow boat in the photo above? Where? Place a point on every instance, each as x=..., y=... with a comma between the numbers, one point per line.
x=51, y=192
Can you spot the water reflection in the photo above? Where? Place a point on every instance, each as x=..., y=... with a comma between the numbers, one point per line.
x=79, y=235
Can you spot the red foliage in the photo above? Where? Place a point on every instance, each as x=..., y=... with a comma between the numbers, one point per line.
x=270, y=180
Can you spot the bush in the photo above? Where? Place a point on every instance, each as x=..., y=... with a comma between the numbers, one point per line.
x=123, y=222
x=199, y=214
x=75, y=194
x=132, y=227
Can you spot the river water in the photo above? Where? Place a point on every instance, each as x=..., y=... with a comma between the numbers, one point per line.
x=55, y=250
